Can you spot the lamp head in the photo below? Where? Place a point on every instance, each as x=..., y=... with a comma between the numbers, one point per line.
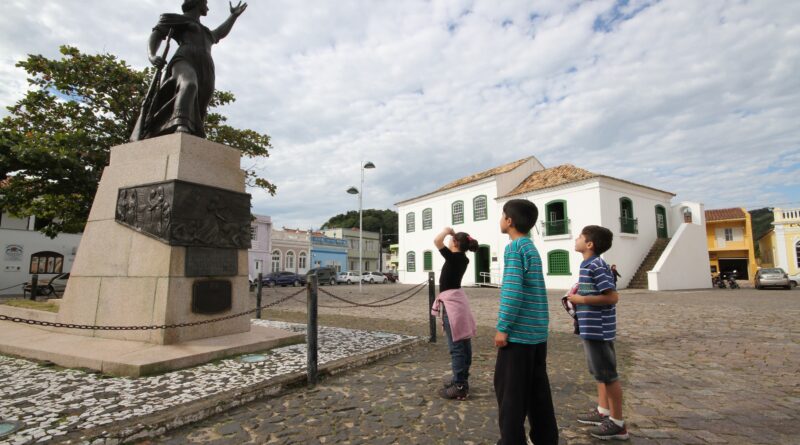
x=352, y=191
x=369, y=165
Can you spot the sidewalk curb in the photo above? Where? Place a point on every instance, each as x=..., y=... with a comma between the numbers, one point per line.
x=156, y=424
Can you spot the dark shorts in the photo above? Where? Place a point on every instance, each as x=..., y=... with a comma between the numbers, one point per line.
x=602, y=360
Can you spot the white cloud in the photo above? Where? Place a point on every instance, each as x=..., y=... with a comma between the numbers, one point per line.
x=699, y=98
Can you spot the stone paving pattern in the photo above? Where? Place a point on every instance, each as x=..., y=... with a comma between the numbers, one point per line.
x=53, y=403
x=698, y=367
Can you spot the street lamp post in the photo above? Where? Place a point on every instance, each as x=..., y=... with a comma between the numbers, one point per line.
x=360, y=193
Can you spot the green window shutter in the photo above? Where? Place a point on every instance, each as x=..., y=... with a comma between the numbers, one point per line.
x=427, y=219
x=479, y=210
x=558, y=262
x=458, y=212
x=427, y=261
x=410, y=222
x=411, y=262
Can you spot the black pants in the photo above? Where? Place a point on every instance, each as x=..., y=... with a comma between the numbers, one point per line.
x=523, y=390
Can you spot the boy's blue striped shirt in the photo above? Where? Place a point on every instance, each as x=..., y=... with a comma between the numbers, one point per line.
x=596, y=322
x=523, y=311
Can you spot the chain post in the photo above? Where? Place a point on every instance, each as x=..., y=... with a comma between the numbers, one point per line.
x=34, y=286
x=258, y=295
x=431, y=297
x=311, y=329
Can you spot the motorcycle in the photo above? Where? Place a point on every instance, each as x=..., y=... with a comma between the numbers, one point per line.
x=732, y=281
x=717, y=281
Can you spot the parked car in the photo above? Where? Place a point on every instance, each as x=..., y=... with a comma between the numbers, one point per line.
x=374, y=277
x=325, y=275
x=283, y=278
x=772, y=277
x=795, y=279
x=391, y=276
x=347, y=277
x=53, y=286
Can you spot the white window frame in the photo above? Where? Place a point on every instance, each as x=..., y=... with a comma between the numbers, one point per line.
x=275, y=262
x=302, y=260
x=728, y=234
x=289, y=256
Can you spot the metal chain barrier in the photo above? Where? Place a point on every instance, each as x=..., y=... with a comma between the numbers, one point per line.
x=143, y=328
x=374, y=304
x=11, y=287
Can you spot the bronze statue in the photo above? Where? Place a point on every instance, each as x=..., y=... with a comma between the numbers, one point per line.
x=180, y=102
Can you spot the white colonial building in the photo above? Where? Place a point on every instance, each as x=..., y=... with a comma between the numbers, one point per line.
x=568, y=199
x=291, y=251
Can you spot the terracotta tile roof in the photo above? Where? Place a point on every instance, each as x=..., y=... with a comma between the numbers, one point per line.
x=560, y=175
x=552, y=177
x=484, y=174
x=721, y=214
x=476, y=177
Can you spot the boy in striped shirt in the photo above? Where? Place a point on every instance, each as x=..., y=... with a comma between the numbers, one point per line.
x=520, y=374
x=597, y=324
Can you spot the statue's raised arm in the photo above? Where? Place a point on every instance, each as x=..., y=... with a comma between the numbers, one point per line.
x=179, y=103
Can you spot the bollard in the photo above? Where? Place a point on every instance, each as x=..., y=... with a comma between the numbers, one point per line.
x=311, y=330
x=431, y=297
x=34, y=286
x=258, y=296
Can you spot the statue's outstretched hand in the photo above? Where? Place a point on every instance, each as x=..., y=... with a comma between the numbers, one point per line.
x=238, y=9
x=158, y=61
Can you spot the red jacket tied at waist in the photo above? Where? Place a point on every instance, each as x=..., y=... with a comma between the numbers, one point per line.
x=462, y=322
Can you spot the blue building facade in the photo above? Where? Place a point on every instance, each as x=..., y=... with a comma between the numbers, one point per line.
x=326, y=251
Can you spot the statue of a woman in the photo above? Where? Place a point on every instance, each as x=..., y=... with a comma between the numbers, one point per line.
x=181, y=102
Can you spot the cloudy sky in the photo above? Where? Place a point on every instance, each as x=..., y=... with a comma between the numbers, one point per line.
x=701, y=98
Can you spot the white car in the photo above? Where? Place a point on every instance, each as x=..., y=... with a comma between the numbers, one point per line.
x=794, y=279
x=374, y=277
x=347, y=277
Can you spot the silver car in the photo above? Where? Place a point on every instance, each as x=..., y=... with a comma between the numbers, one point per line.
x=772, y=277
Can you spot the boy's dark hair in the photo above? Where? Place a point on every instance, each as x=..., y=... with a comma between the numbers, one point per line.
x=523, y=214
x=599, y=236
x=466, y=242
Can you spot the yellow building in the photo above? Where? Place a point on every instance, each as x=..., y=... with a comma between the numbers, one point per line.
x=729, y=233
x=780, y=247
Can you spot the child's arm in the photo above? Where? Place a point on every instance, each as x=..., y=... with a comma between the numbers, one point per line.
x=610, y=296
x=513, y=270
x=439, y=240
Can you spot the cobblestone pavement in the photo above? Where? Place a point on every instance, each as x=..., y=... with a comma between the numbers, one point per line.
x=698, y=367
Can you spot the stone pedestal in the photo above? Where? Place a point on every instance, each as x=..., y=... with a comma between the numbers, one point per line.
x=123, y=277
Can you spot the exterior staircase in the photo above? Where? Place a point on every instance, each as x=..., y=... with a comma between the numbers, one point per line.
x=639, y=280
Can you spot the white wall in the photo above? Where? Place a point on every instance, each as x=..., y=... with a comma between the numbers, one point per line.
x=14, y=270
x=683, y=265
x=485, y=231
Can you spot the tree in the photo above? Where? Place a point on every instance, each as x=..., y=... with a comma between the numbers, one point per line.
x=56, y=140
x=374, y=221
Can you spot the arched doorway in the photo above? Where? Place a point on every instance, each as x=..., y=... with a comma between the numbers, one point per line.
x=661, y=222
x=482, y=261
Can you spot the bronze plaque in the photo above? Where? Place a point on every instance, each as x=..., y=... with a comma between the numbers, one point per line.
x=211, y=296
x=211, y=262
x=181, y=213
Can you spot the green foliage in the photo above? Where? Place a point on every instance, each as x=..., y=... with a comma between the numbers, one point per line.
x=762, y=223
x=56, y=140
x=373, y=221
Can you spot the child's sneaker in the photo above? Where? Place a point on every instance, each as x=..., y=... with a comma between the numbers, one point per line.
x=609, y=430
x=447, y=380
x=593, y=417
x=457, y=392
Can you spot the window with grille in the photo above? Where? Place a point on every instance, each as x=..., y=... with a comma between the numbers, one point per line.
x=427, y=219
x=253, y=233
x=797, y=253
x=728, y=234
x=558, y=262
x=410, y=222
x=276, y=260
x=458, y=212
x=411, y=262
x=427, y=260
x=479, y=211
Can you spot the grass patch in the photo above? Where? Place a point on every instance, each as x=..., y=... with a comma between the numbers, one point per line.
x=37, y=305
